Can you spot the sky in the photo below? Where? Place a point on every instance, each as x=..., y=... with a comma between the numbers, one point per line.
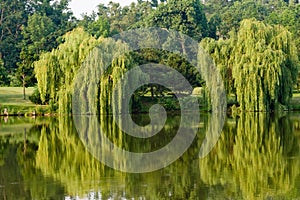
x=87, y=6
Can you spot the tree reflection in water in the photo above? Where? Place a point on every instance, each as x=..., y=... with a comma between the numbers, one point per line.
x=257, y=157
x=254, y=158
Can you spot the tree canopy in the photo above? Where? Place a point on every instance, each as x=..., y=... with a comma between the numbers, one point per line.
x=267, y=44
x=259, y=63
x=55, y=70
x=186, y=16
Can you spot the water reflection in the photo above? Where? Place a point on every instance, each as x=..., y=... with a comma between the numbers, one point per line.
x=19, y=177
x=257, y=157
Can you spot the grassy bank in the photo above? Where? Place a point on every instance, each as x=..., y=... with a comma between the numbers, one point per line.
x=11, y=98
x=295, y=102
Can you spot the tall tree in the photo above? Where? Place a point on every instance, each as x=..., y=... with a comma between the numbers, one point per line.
x=186, y=16
x=124, y=18
x=49, y=21
x=288, y=16
x=226, y=15
x=221, y=51
x=13, y=15
x=136, y=14
x=3, y=73
x=96, y=28
x=233, y=14
x=55, y=70
x=37, y=38
x=264, y=64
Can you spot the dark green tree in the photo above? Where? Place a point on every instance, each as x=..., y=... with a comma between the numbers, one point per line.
x=233, y=14
x=13, y=15
x=49, y=21
x=37, y=37
x=124, y=18
x=136, y=13
x=3, y=73
x=287, y=15
x=96, y=28
x=185, y=16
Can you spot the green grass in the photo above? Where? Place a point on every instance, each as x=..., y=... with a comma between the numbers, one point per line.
x=296, y=98
x=295, y=102
x=296, y=95
x=14, y=96
x=11, y=98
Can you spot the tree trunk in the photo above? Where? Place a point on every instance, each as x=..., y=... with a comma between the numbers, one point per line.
x=1, y=23
x=183, y=45
x=152, y=92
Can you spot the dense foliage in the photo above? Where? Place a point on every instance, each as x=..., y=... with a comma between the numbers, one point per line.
x=27, y=29
x=55, y=70
x=259, y=65
x=186, y=16
x=33, y=31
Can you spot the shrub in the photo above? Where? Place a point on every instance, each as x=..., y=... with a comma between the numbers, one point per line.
x=36, y=97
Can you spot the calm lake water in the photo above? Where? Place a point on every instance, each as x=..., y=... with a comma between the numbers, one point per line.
x=256, y=157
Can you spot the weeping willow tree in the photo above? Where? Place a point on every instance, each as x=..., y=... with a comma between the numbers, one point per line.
x=221, y=52
x=259, y=63
x=98, y=88
x=55, y=70
x=250, y=159
x=267, y=68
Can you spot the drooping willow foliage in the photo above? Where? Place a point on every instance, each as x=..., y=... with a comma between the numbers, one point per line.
x=259, y=63
x=98, y=82
x=55, y=70
x=103, y=63
x=220, y=51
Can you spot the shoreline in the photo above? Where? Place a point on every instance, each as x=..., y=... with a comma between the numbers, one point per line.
x=29, y=110
x=229, y=112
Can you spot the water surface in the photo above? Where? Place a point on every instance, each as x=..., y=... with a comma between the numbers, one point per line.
x=256, y=157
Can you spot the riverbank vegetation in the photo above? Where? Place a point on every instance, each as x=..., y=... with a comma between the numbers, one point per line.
x=254, y=44
x=12, y=102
